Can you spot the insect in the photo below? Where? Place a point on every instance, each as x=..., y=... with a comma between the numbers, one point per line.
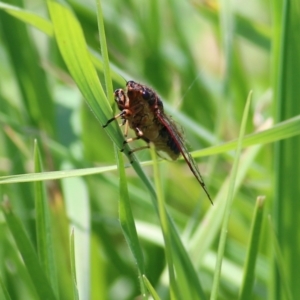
x=143, y=111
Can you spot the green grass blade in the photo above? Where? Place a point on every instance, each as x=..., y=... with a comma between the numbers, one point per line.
x=28, y=18
x=73, y=266
x=222, y=242
x=150, y=288
x=30, y=177
x=174, y=288
x=255, y=233
x=30, y=76
x=207, y=231
x=179, y=249
x=191, y=287
x=41, y=284
x=4, y=292
x=43, y=226
x=185, y=266
x=127, y=223
x=281, y=265
x=73, y=48
x=104, y=52
x=283, y=130
x=285, y=67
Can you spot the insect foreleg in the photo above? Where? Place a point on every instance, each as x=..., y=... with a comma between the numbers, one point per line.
x=120, y=115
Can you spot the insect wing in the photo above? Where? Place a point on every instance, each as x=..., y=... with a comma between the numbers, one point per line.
x=178, y=139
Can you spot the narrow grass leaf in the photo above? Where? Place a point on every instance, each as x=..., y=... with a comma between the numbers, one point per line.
x=43, y=226
x=73, y=48
x=28, y=17
x=280, y=264
x=206, y=233
x=185, y=267
x=280, y=131
x=104, y=52
x=73, y=266
x=216, y=281
x=127, y=222
x=178, y=248
x=30, y=177
x=33, y=266
x=174, y=287
x=252, y=252
x=150, y=288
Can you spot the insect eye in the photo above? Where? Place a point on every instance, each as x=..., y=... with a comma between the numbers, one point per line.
x=146, y=95
x=130, y=83
x=119, y=98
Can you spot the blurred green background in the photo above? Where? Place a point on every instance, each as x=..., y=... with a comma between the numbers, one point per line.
x=203, y=58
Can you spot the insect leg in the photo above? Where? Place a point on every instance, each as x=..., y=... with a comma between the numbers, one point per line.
x=138, y=149
x=139, y=135
x=121, y=114
x=129, y=141
x=126, y=123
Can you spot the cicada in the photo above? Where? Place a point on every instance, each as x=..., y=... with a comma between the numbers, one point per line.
x=142, y=110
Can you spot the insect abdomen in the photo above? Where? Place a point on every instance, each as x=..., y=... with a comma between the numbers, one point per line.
x=166, y=146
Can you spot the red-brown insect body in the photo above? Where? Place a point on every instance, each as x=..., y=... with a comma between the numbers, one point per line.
x=142, y=110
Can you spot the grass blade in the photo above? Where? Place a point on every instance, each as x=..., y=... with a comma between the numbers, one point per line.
x=73, y=266
x=229, y=200
x=255, y=233
x=127, y=223
x=43, y=226
x=72, y=45
x=285, y=67
x=174, y=288
x=104, y=52
x=28, y=253
x=30, y=76
x=150, y=288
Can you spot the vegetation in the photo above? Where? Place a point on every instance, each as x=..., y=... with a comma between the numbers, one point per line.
x=79, y=221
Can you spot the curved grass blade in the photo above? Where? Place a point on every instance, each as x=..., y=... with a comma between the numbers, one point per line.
x=73, y=48
x=28, y=17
